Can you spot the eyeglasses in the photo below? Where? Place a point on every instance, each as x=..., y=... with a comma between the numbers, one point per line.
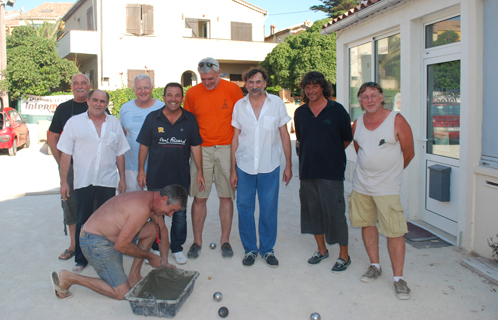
x=207, y=64
x=142, y=88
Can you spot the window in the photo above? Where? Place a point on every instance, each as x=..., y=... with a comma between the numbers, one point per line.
x=241, y=31
x=383, y=67
x=132, y=73
x=89, y=19
x=139, y=19
x=15, y=116
x=235, y=77
x=200, y=28
x=490, y=79
x=442, y=32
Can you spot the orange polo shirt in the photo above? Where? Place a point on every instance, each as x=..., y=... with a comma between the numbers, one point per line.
x=213, y=110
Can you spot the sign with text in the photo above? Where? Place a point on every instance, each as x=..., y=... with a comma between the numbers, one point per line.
x=42, y=106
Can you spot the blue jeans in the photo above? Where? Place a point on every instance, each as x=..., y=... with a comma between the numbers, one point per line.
x=178, y=231
x=267, y=186
x=84, y=198
x=107, y=261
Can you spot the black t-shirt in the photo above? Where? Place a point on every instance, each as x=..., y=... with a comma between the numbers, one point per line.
x=65, y=111
x=321, y=141
x=169, y=148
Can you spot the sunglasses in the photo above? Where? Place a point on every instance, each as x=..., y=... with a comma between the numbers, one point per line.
x=207, y=64
x=369, y=84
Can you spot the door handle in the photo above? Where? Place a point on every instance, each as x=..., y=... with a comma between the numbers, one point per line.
x=424, y=139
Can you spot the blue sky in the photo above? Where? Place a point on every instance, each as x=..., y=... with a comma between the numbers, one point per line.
x=281, y=13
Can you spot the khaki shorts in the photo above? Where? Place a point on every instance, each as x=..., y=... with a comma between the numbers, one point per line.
x=216, y=167
x=364, y=211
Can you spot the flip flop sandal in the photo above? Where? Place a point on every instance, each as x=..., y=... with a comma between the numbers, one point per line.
x=54, y=278
x=67, y=254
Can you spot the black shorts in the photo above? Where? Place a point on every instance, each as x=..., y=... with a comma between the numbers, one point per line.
x=323, y=209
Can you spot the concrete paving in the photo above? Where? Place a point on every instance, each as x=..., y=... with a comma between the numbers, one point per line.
x=32, y=238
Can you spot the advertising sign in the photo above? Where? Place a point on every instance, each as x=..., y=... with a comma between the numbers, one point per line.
x=42, y=106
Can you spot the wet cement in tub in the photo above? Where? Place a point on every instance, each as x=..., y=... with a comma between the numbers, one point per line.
x=164, y=284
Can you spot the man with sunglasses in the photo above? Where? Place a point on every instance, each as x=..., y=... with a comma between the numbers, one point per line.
x=212, y=103
x=383, y=141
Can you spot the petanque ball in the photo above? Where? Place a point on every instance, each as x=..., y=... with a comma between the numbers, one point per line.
x=315, y=316
x=212, y=245
x=217, y=296
x=223, y=312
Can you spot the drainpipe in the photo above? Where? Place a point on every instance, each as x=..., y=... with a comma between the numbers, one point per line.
x=101, y=44
x=374, y=8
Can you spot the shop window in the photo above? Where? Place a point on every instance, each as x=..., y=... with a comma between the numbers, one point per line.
x=140, y=19
x=442, y=32
x=490, y=79
x=383, y=67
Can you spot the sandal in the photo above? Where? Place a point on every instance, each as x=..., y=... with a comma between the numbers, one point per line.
x=66, y=255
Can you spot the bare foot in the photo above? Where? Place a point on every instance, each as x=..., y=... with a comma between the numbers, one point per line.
x=78, y=269
x=132, y=281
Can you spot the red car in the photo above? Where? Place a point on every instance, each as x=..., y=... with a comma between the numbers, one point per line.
x=13, y=131
x=446, y=121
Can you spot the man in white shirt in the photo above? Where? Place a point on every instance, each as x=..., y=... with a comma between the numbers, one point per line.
x=260, y=122
x=131, y=116
x=97, y=144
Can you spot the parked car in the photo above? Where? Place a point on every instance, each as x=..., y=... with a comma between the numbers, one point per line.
x=446, y=121
x=14, y=132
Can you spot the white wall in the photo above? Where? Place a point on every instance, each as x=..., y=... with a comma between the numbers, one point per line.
x=408, y=18
x=167, y=52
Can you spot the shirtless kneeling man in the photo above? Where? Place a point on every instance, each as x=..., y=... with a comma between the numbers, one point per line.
x=113, y=230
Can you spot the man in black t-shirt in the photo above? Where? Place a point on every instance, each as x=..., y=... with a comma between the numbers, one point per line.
x=323, y=129
x=80, y=85
x=168, y=136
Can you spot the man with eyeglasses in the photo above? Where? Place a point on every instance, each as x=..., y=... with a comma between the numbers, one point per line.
x=323, y=129
x=212, y=104
x=383, y=141
x=131, y=116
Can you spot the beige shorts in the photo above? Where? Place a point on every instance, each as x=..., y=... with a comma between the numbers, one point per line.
x=216, y=167
x=365, y=210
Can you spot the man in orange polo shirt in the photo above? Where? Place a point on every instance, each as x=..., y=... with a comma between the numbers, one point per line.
x=212, y=104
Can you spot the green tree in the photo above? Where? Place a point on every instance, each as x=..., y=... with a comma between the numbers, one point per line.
x=308, y=51
x=449, y=36
x=335, y=8
x=46, y=29
x=33, y=65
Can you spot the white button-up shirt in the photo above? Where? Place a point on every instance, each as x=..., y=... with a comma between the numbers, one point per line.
x=260, y=144
x=94, y=157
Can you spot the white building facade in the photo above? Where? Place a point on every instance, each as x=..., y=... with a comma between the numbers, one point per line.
x=433, y=60
x=112, y=40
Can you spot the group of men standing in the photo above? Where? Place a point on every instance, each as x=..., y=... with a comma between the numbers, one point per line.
x=236, y=142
